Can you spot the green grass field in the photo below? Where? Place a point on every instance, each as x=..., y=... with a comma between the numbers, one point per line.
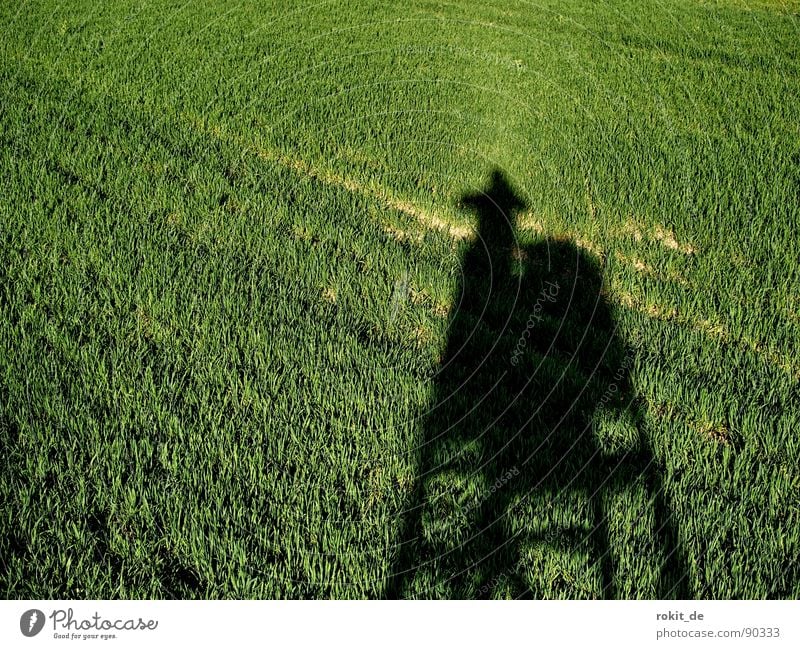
x=272, y=320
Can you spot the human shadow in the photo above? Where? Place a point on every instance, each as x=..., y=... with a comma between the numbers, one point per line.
x=534, y=437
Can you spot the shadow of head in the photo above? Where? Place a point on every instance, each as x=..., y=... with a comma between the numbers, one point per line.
x=518, y=300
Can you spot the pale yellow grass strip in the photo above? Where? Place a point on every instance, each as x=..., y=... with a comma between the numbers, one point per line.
x=329, y=177
x=639, y=233
x=526, y=221
x=658, y=234
x=641, y=266
x=713, y=329
x=713, y=431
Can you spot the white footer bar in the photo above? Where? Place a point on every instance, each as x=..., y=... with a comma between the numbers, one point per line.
x=376, y=625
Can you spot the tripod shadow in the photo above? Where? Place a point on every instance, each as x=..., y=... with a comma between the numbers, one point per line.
x=532, y=436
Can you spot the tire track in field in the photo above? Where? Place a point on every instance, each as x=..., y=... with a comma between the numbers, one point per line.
x=428, y=219
x=716, y=330
x=329, y=177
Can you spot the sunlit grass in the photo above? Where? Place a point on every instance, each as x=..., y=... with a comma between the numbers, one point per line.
x=230, y=242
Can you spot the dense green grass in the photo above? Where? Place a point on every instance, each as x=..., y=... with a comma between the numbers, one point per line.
x=235, y=244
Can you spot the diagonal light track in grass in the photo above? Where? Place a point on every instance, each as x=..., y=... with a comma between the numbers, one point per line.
x=430, y=220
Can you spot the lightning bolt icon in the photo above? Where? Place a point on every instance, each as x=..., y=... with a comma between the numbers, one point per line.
x=32, y=620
